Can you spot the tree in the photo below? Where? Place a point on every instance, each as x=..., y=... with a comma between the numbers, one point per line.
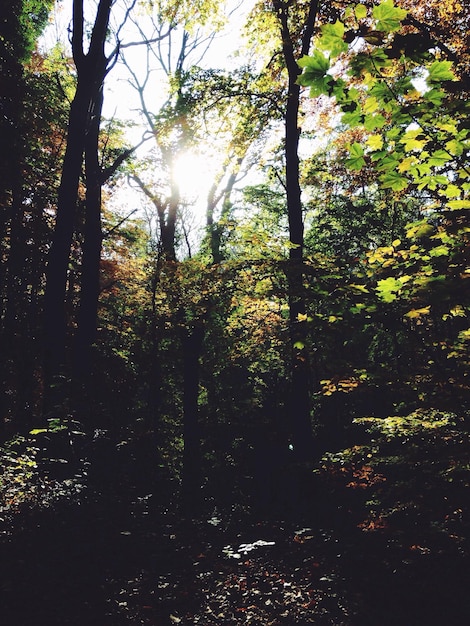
x=82, y=138
x=412, y=137
x=296, y=34
x=30, y=143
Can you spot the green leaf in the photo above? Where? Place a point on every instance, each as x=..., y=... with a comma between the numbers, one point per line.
x=356, y=157
x=458, y=204
x=332, y=38
x=417, y=230
x=451, y=191
x=414, y=140
x=374, y=37
x=439, y=251
x=388, y=288
x=360, y=11
x=389, y=16
x=314, y=73
x=440, y=71
x=352, y=119
x=316, y=65
x=357, y=287
x=371, y=122
x=298, y=345
x=455, y=147
x=439, y=158
x=434, y=96
x=393, y=180
x=371, y=104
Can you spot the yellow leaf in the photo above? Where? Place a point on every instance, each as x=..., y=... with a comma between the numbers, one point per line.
x=406, y=164
x=458, y=311
x=375, y=142
x=415, y=313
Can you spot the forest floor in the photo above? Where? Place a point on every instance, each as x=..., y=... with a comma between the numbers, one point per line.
x=384, y=541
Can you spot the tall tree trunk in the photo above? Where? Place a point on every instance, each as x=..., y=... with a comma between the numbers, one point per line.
x=299, y=396
x=91, y=252
x=91, y=70
x=58, y=258
x=192, y=339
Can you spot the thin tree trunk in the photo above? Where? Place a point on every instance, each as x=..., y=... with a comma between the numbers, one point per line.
x=300, y=376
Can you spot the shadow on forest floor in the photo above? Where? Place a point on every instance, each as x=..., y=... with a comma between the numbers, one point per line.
x=383, y=541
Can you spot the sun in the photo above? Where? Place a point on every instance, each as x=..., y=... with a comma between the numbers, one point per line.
x=193, y=177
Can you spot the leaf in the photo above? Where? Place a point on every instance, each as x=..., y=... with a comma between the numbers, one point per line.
x=434, y=96
x=439, y=251
x=407, y=164
x=388, y=163
x=375, y=142
x=371, y=104
x=38, y=431
x=360, y=11
x=352, y=119
x=360, y=288
x=315, y=65
x=455, y=147
x=389, y=17
x=458, y=204
x=393, y=180
x=299, y=345
x=356, y=157
x=414, y=140
x=371, y=122
x=374, y=37
x=419, y=230
x=451, y=191
x=314, y=73
x=439, y=158
x=388, y=288
x=332, y=38
x=440, y=71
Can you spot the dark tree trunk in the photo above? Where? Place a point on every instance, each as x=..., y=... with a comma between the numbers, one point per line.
x=91, y=249
x=91, y=70
x=299, y=396
x=58, y=258
x=192, y=339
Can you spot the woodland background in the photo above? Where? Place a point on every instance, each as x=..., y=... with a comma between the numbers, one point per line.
x=301, y=356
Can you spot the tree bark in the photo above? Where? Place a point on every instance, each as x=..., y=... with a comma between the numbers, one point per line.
x=91, y=70
x=300, y=396
x=91, y=252
x=192, y=339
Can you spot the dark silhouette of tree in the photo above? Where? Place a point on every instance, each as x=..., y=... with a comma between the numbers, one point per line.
x=296, y=44
x=82, y=140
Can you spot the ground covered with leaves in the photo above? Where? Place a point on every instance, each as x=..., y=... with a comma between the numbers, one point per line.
x=381, y=537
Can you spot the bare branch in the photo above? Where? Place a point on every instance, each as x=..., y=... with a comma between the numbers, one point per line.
x=114, y=228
